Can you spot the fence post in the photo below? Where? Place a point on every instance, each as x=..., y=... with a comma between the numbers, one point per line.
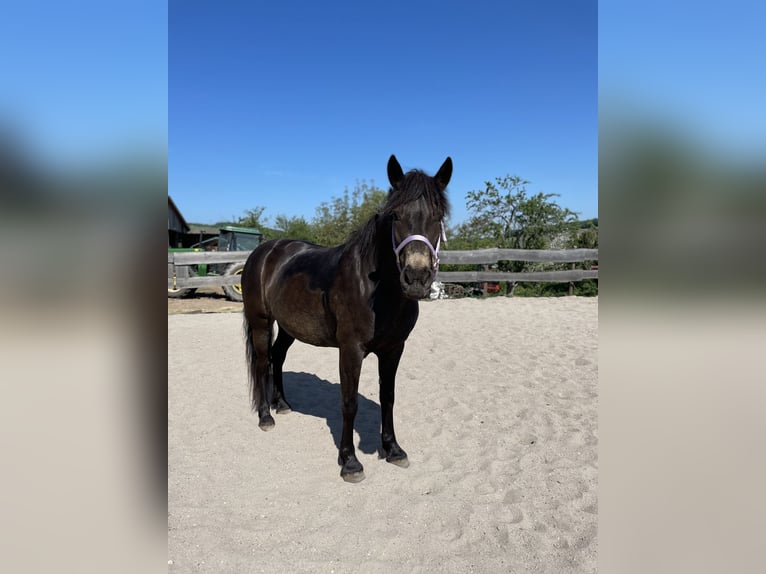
x=571, y=283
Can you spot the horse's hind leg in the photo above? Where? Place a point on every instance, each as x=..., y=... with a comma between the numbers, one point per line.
x=278, y=354
x=259, y=341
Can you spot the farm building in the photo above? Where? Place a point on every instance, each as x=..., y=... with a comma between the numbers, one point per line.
x=177, y=226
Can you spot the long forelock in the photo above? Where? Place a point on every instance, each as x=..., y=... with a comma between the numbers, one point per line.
x=417, y=185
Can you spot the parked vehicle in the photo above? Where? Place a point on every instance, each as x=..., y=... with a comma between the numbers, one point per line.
x=231, y=238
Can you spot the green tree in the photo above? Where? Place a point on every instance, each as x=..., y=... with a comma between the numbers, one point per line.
x=586, y=237
x=505, y=215
x=295, y=227
x=337, y=219
x=254, y=218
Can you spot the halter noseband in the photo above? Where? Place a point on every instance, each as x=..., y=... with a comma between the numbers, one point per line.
x=422, y=239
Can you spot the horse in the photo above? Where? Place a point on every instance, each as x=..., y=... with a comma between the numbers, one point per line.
x=360, y=296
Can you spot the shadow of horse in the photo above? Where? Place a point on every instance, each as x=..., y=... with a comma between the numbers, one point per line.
x=310, y=395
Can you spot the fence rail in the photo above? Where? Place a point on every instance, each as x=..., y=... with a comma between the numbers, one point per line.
x=494, y=255
x=530, y=276
x=179, y=275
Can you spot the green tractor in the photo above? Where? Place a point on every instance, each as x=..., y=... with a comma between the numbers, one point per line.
x=231, y=238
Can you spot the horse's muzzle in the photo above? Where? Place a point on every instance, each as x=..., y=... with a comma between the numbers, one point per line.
x=416, y=281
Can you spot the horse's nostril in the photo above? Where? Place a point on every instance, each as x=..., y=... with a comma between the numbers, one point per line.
x=419, y=275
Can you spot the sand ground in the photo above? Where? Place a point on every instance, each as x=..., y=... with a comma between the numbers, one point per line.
x=496, y=407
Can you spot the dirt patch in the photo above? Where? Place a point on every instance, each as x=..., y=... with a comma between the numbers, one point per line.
x=205, y=300
x=501, y=433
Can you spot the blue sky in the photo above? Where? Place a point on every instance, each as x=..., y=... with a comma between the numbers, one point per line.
x=285, y=104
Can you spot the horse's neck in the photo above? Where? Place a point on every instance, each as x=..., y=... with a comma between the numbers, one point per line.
x=383, y=256
x=374, y=253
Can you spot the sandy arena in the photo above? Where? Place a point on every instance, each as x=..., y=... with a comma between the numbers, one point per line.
x=496, y=406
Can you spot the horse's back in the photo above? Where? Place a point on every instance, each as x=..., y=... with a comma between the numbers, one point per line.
x=288, y=281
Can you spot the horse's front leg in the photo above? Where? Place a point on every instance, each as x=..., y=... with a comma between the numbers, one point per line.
x=387, y=365
x=350, y=367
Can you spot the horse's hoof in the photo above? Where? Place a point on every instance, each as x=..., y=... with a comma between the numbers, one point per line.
x=352, y=470
x=401, y=462
x=394, y=455
x=353, y=476
x=266, y=423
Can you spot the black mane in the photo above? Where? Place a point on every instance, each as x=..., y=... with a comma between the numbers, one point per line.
x=365, y=238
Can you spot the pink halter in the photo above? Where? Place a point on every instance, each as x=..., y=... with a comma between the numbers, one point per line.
x=423, y=239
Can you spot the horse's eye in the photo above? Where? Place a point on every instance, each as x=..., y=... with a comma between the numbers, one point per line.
x=394, y=217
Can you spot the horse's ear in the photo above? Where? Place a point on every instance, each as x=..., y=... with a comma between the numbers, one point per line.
x=395, y=173
x=445, y=173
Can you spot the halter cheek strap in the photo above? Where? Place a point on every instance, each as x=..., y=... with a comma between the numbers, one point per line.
x=422, y=239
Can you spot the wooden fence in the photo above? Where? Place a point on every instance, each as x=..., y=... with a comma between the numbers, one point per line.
x=178, y=270
x=491, y=256
x=179, y=273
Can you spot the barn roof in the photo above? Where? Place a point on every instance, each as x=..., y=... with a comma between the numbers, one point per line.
x=174, y=208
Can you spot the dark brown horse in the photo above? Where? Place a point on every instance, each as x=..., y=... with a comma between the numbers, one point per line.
x=360, y=296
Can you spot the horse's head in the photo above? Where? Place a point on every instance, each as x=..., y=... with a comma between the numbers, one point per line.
x=417, y=204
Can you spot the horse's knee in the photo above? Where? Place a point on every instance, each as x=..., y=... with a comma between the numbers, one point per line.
x=350, y=407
